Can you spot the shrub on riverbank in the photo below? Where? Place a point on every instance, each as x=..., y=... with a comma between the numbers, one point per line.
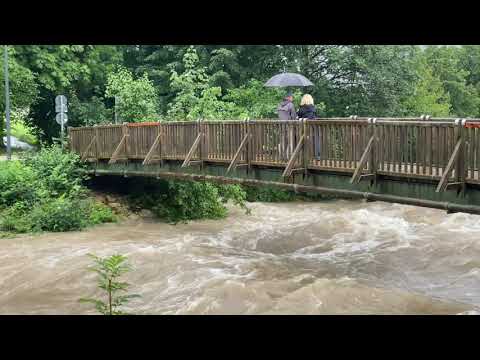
x=268, y=194
x=272, y=195
x=179, y=201
x=44, y=192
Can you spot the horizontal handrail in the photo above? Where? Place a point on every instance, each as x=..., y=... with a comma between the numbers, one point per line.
x=412, y=147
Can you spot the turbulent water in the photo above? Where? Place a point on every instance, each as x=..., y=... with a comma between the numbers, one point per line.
x=339, y=257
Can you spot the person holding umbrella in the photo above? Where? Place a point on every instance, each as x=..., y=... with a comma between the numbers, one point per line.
x=286, y=109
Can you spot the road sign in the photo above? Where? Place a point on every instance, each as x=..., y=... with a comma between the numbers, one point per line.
x=61, y=118
x=61, y=104
x=60, y=100
x=61, y=108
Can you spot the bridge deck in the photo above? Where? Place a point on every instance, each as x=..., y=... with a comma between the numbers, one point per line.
x=443, y=151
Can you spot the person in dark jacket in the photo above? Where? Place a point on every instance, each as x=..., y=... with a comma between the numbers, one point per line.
x=307, y=108
x=286, y=109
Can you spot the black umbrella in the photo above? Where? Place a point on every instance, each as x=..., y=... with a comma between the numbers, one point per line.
x=288, y=79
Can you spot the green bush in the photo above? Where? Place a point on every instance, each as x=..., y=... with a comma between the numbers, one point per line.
x=59, y=171
x=44, y=192
x=18, y=183
x=268, y=194
x=189, y=200
x=61, y=214
x=100, y=213
x=177, y=201
x=16, y=219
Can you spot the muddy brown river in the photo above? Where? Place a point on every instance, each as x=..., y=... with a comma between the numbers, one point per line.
x=338, y=257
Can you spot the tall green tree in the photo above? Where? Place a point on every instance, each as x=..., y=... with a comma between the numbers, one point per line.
x=77, y=71
x=447, y=66
x=429, y=96
x=137, y=97
x=23, y=89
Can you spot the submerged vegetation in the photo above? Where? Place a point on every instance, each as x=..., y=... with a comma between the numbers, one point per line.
x=181, y=201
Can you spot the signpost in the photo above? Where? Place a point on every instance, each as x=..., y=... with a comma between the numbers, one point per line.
x=7, y=104
x=61, y=109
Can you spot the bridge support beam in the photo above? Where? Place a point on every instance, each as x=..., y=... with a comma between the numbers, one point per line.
x=369, y=156
x=121, y=144
x=233, y=164
x=192, y=150
x=351, y=194
x=293, y=158
x=456, y=160
x=363, y=160
x=148, y=159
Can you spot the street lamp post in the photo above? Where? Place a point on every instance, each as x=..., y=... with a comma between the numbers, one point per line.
x=7, y=103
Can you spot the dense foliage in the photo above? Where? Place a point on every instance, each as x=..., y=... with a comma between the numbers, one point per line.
x=225, y=81
x=44, y=192
x=180, y=201
x=216, y=82
x=137, y=98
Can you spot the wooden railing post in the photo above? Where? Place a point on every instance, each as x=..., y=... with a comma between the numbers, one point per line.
x=161, y=142
x=456, y=161
x=374, y=152
x=197, y=145
x=460, y=166
x=200, y=130
x=307, y=146
x=248, y=146
x=69, y=132
x=97, y=143
x=125, y=132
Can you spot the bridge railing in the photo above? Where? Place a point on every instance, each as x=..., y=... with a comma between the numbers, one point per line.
x=433, y=148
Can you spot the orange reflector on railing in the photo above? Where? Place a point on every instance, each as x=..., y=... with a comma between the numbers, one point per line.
x=472, y=125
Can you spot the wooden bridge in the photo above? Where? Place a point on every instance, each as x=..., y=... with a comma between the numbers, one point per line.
x=432, y=162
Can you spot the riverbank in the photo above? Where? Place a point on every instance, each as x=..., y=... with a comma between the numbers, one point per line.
x=339, y=257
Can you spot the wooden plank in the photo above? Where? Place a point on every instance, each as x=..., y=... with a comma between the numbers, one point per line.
x=150, y=153
x=444, y=180
x=437, y=151
x=477, y=152
x=396, y=156
x=471, y=157
x=388, y=141
x=358, y=171
x=291, y=162
x=192, y=150
x=430, y=150
x=118, y=149
x=85, y=153
x=307, y=148
x=236, y=157
x=98, y=151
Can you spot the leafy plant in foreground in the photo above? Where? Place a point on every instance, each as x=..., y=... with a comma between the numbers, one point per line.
x=109, y=269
